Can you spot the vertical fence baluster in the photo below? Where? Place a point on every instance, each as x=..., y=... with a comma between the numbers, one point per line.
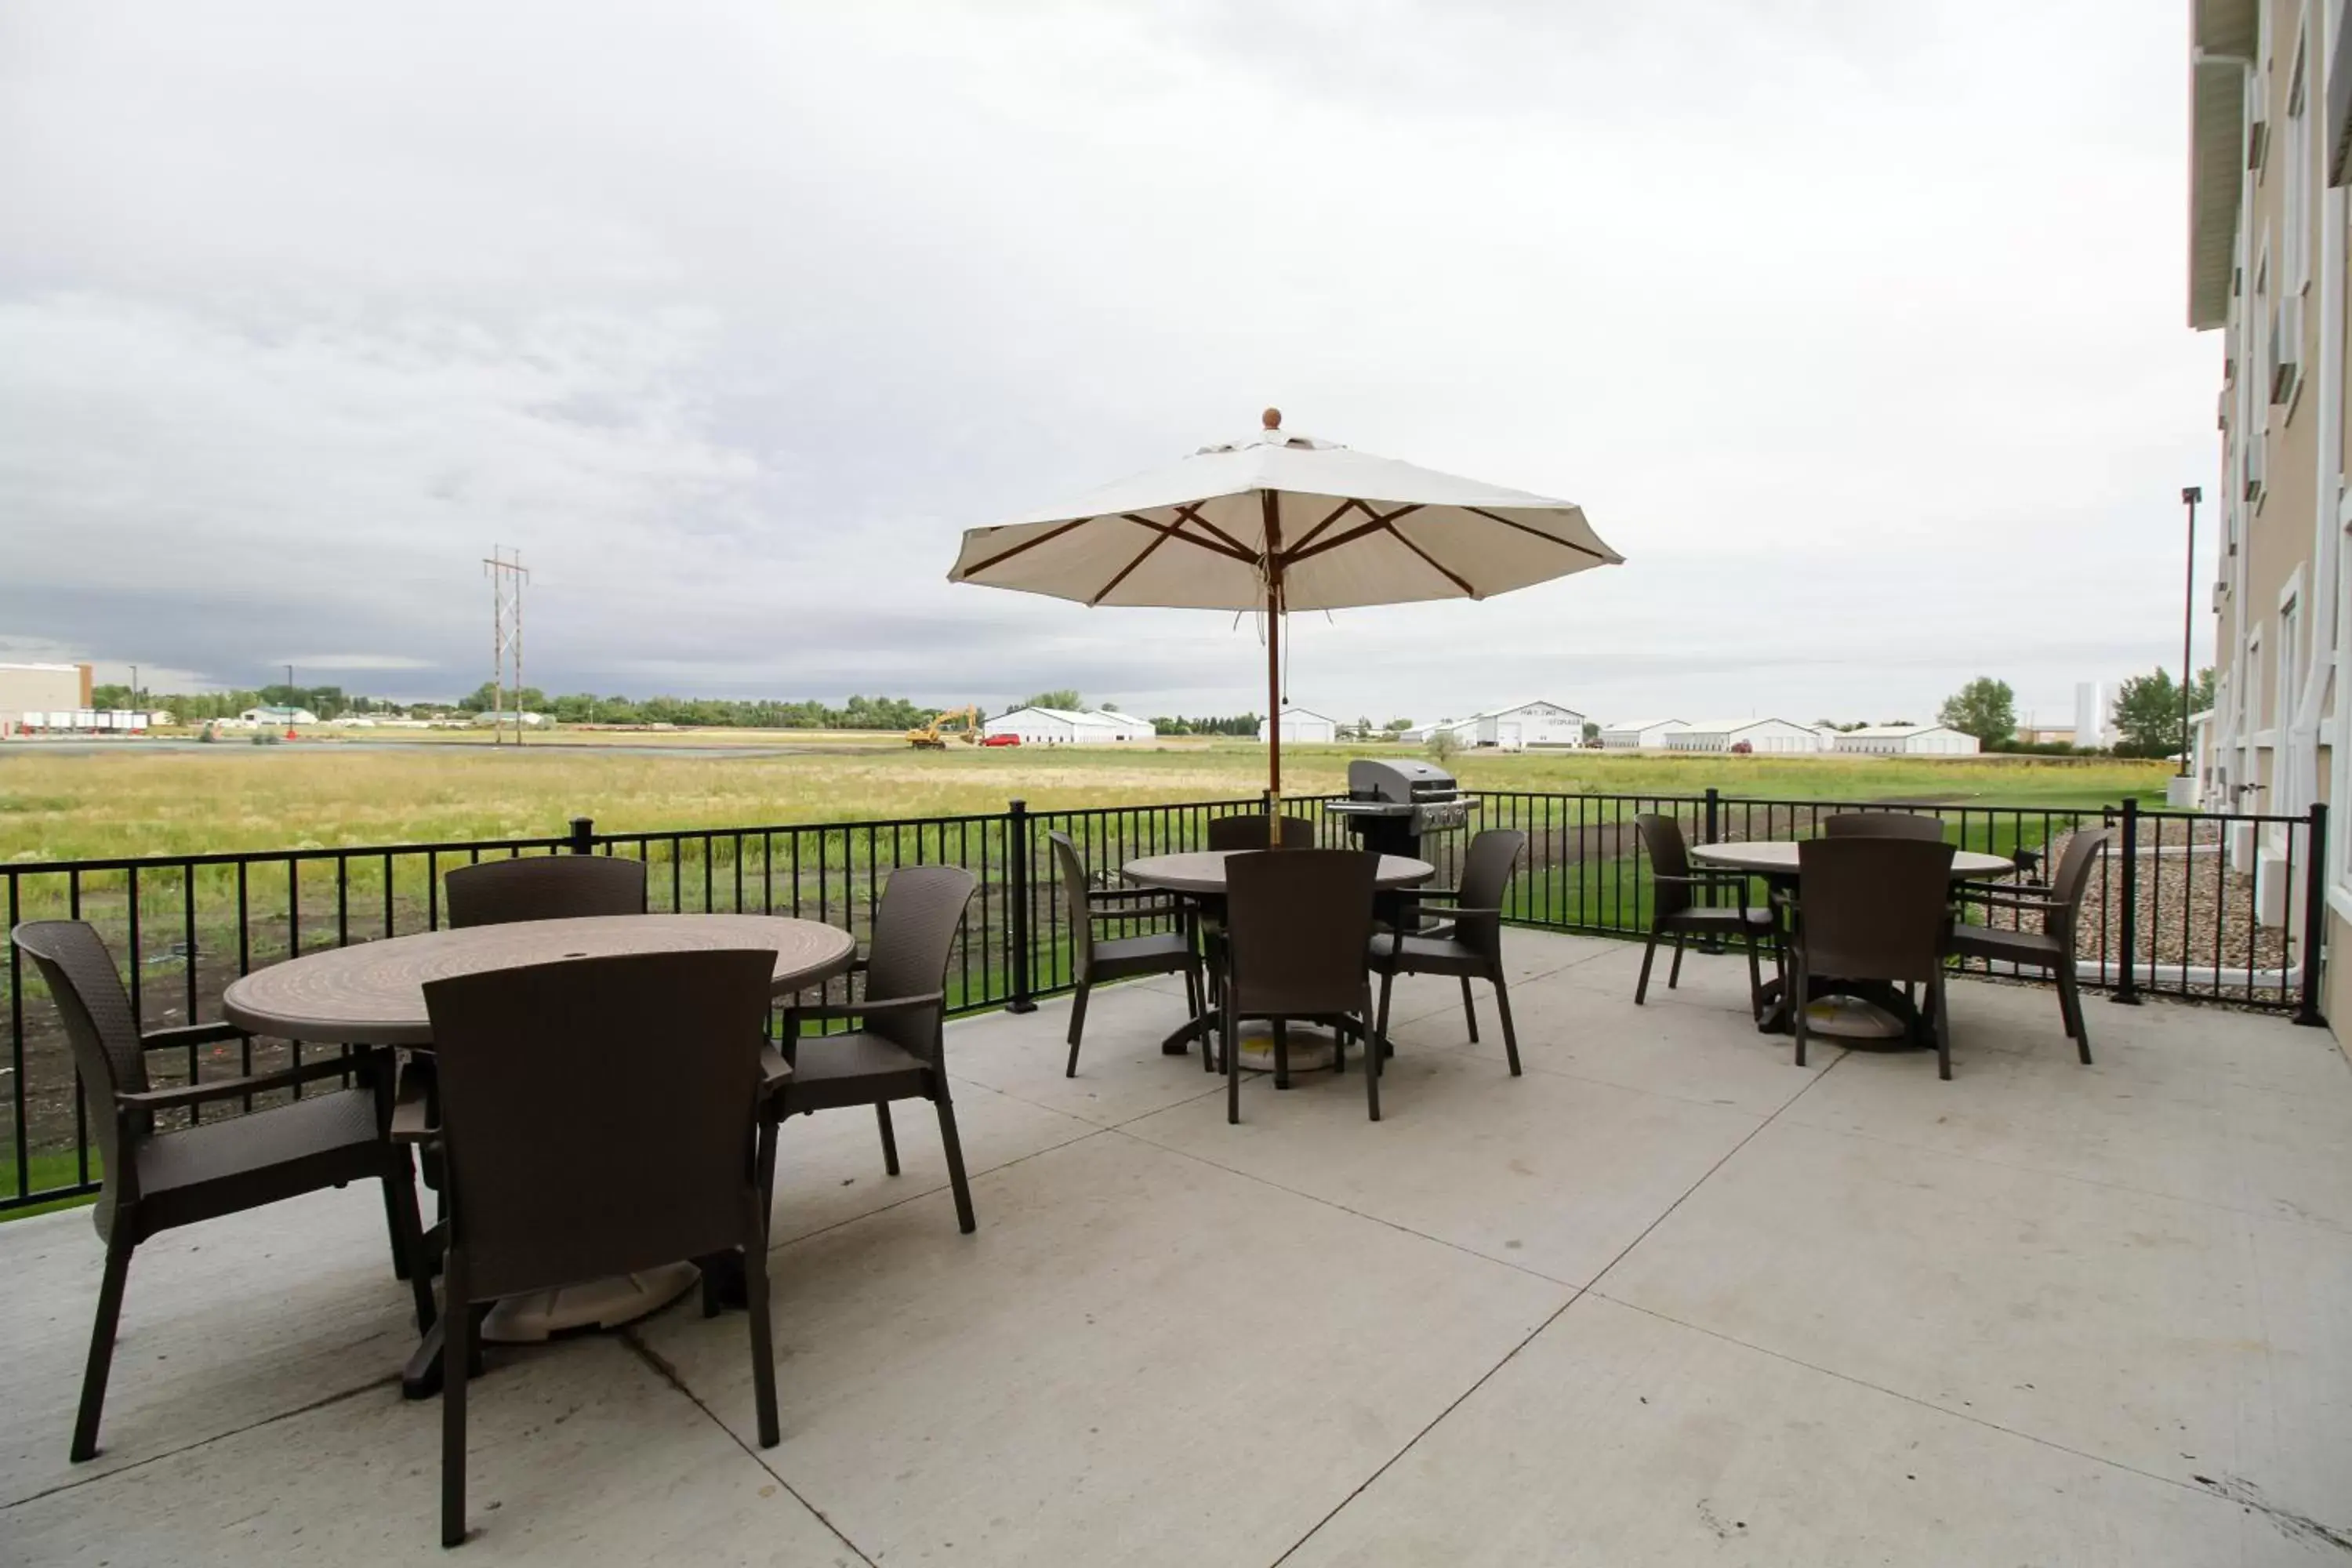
x=2315, y=914
x=2128, y=989
x=1016, y=851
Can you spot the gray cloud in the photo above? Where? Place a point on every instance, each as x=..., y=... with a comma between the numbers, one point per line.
x=1855, y=327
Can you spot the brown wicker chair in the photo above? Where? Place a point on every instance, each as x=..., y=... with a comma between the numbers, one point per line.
x=1884, y=825
x=156, y=1180
x=600, y=1117
x=1297, y=922
x=1097, y=962
x=1869, y=908
x=900, y=1053
x=2053, y=947
x=545, y=888
x=1676, y=912
x=1247, y=831
x=1470, y=945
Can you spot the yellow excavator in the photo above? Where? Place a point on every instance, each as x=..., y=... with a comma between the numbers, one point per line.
x=955, y=724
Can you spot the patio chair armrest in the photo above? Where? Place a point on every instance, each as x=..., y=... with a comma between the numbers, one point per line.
x=1107, y=890
x=2021, y=898
x=1723, y=873
x=1141, y=911
x=412, y=1109
x=1451, y=912
x=187, y=1035
x=868, y=1009
x=234, y=1088
x=774, y=1070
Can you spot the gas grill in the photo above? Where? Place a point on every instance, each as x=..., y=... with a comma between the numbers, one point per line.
x=1392, y=802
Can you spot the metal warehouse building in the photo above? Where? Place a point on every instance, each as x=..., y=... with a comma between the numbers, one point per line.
x=42, y=689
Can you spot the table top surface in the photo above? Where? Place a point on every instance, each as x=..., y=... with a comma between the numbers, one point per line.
x=1769, y=855
x=1203, y=870
x=372, y=993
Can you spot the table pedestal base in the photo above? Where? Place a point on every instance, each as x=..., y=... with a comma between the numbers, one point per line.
x=1310, y=1049
x=596, y=1304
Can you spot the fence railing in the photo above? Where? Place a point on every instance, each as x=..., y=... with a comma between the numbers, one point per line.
x=2206, y=907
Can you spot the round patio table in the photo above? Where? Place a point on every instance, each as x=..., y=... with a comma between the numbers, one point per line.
x=1775, y=859
x=1199, y=875
x=373, y=994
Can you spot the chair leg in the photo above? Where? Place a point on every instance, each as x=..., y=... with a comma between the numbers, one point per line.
x=1470, y=1009
x=1943, y=1028
x=1796, y=1000
x=1380, y=1045
x=457, y=1348
x=1675, y=969
x=1232, y=1057
x=402, y=1254
x=1503, y=1008
x=763, y=1349
x=889, y=1137
x=1281, y=1053
x=2070, y=1001
x=954, y=1148
x=1755, y=979
x=1077, y=1028
x=102, y=1341
x=408, y=1234
x=1649, y=951
x=1373, y=1051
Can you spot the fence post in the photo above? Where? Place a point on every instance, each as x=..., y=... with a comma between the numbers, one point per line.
x=1711, y=831
x=1017, y=850
x=2314, y=916
x=2126, y=991
x=584, y=836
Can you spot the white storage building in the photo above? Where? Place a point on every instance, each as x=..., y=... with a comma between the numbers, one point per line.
x=278, y=716
x=1909, y=740
x=1639, y=734
x=1303, y=725
x=1775, y=737
x=1128, y=726
x=1527, y=724
x=1057, y=727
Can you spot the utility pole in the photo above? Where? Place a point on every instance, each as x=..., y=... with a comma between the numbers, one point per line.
x=2189, y=496
x=134, y=690
x=506, y=575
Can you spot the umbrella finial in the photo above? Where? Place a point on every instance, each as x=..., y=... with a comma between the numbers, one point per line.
x=1272, y=418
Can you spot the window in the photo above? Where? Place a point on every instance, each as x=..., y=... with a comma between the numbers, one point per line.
x=2296, y=272
x=2282, y=699
x=2252, y=664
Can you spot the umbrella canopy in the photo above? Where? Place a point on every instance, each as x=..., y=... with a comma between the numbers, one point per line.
x=1280, y=522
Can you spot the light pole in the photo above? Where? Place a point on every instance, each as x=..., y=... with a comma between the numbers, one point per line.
x=134, y=688
x=2189, y=496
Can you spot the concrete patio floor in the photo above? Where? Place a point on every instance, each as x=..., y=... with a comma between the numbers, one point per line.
x=1665, y=1298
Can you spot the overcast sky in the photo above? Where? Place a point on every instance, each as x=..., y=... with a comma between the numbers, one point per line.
x=1855, y=327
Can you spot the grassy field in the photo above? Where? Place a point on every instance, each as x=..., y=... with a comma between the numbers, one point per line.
x=131, y=801
x=183, y=936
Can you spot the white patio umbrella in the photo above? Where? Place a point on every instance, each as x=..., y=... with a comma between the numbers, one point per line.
x=1280, y=523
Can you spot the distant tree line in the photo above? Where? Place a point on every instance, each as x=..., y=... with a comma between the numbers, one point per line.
x=1233, y=724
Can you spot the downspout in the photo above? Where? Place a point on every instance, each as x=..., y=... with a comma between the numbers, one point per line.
x=2321, y=595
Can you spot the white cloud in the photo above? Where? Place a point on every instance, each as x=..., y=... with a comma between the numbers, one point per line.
x=1855, y=327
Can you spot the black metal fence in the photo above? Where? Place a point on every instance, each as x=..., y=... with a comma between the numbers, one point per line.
x=2174, y=892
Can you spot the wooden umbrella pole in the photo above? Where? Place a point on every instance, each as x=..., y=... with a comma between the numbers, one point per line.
x=1273, y=663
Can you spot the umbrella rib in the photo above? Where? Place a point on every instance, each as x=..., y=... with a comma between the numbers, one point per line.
x=1336, y=539
x=1176, y=530
x=1431, y=562
x=1342, y=510
x=1059, y=529
x=1159, y=536
x=1539, y=533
